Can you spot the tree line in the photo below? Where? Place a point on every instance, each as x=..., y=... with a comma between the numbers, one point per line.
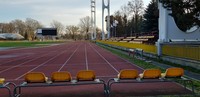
x=186, y=13
x=29, y=27
x=134, y=19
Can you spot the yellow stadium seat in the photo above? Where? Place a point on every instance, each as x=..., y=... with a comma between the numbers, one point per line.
x=128, y=74
x=85, y=75
x=173, y=72
x=35, y=77
x=150, y=74
x=61, y=76
x=2, y=80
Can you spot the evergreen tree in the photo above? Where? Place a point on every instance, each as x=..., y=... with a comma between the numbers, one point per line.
x=186, y=13
x=151, y=16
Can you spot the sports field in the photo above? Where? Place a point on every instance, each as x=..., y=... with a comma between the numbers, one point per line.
x=73, y=57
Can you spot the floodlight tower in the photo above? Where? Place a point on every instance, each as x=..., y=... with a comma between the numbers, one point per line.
x=93, y=19
x=108, y=19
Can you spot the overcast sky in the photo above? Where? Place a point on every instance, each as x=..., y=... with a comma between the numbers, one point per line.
x=68, y=12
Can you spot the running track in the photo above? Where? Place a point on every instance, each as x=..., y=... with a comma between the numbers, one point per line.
x=73, y=57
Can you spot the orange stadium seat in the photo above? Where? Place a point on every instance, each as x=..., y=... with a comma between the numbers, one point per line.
x=128, y=74
x=85, y=75
x=150, y=74
x=35, y=77
x=61, y=76
x=173, y=72
x=176, y=74
x=2, y=80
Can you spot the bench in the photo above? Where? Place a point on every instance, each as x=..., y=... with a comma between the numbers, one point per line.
x=148, y=76
x=38, y=79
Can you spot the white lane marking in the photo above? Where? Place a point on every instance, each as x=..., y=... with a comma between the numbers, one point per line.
x=123, y=59
x=68, y=58
x=22, y=63
x=104, y=59
x=86, y=59
x=42, y=64
x=1, y=64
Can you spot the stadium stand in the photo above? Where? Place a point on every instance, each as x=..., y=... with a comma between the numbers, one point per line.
x=144, y=38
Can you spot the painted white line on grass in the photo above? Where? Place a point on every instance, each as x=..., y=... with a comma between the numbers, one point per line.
x=104, y=59
x=68, y=58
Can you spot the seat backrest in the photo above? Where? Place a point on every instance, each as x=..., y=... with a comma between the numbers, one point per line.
x=2, y=80
x=35, y=77
x=151, y=73
x=86, y=75
x=174, y=72
x=61, y=76
x=128, y=74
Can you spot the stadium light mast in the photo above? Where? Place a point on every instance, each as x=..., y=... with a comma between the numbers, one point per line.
x=108, y=19
x=93, y=19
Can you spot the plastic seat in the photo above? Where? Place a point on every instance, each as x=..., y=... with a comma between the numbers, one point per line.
x=2, y=80
x=128, y=74
x=61, y=76
x=85, y=75
x=176, y=74
x=173, y=73
x=150, y=74
x=88, y=77
x=35, y=77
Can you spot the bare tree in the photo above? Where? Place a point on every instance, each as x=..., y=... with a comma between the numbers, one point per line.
x=60, y=27
x=136, y=8
x=8, y=28
x=1, y=27
x=99, y=35
x=85, y=25
x=31, y=26
x=72, y=30
x=125, y=14
x=20, y=26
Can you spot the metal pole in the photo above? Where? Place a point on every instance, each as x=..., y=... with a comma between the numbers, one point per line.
x=108, y=19
x=103, y=7
x=95, y=35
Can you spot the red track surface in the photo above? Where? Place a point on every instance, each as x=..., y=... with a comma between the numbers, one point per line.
x=73, y=57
